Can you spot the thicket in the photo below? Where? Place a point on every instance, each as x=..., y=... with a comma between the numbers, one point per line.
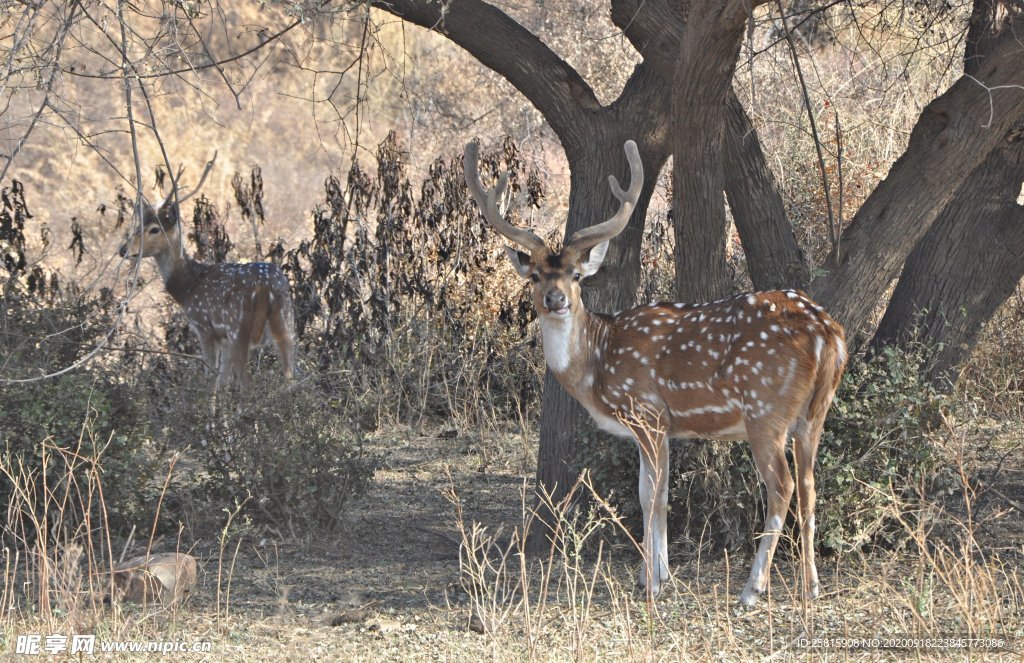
x=405, y=314
x=399, y=316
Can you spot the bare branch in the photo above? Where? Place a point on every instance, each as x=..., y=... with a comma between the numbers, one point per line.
x=506, y=47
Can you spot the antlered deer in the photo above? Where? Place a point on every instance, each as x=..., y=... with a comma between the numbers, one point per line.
x=761, y=366
x=228, y=305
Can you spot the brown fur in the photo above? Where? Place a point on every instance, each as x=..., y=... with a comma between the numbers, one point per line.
x=761, y=366
x=228, y=305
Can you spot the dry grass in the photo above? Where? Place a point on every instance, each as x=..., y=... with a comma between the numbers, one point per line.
x=431, y=566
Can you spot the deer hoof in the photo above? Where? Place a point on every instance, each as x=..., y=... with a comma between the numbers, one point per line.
x=750, y=595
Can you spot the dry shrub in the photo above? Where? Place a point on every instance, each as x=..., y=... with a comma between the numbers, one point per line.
x=396, y=295
x=46, y=326
x=993, y=378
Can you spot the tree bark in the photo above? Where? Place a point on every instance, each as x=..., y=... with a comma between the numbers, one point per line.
x=972, y=258
x=953, y=136
x=773, y=255
x=703, y=75
x=963, y=269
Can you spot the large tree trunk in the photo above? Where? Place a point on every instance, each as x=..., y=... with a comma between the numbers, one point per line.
x=702, y=79
x=593, y=136
x=637, y=115
x=953, y=136
x=969, y=262
x=774, y=258
x=965, y=267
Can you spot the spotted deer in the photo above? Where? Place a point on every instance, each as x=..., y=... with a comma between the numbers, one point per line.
x=761, y=366
x=229, y=306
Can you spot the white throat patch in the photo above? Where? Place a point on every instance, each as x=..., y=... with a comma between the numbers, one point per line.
x=557, y=335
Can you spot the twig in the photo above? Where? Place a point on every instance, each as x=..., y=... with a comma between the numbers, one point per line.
x=814, y=127
x=59, y=45
x=839, y=173
x=127, y=543
x=1009, y=500
x=123, y=308
x=989, y=89
x=216, y=65
x=185, y=70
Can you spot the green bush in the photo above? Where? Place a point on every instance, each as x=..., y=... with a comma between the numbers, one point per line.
x=878, y=445
x=90, y=413
x=877, y=450
x=288, y=453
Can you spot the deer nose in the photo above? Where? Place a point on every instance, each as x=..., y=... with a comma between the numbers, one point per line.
x=123, y=250
x=554, y=300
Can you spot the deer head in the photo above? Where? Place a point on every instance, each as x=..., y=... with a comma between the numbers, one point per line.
x=556, y=275
x=159, y=229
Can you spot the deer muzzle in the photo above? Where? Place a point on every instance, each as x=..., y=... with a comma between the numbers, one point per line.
x=556, y=302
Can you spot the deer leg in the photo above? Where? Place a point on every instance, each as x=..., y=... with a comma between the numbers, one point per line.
x=239, y=361
x=283, y=339
x=770, y=459
x=805, y=451
x=654, y=459
x=208, y=349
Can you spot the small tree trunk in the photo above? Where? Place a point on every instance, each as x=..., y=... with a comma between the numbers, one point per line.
x=961, y=271
x=773, y=255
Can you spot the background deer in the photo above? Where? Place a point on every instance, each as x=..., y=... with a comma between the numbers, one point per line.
x=228, y=305
x=760, y=366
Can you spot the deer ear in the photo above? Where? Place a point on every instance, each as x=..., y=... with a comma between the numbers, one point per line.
x=520, y=261
x=168, y=215
x=593, y=262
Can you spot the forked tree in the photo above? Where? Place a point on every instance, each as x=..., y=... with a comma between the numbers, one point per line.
x=679, y=101
x=759, y=366
x=230, y=306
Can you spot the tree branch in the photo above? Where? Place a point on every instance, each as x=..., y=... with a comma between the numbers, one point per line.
x=953, y=136
x=506, y=47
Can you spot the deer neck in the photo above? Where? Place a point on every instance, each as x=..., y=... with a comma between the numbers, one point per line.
x=178, y=272
x=571, y=347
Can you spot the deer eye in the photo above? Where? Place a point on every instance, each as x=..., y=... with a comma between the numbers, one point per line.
x=154, y=230
x=576, y=276
x=534, y=278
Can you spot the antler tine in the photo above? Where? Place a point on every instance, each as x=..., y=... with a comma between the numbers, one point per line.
x=202, y=179
x=487, y=201
x=594, y=235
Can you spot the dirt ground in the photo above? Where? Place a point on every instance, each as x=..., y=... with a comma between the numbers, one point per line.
x=389, y=587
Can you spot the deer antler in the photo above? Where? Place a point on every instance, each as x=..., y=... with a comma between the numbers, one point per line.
x=487, y=201
x=594, y=235
x=202, y=179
